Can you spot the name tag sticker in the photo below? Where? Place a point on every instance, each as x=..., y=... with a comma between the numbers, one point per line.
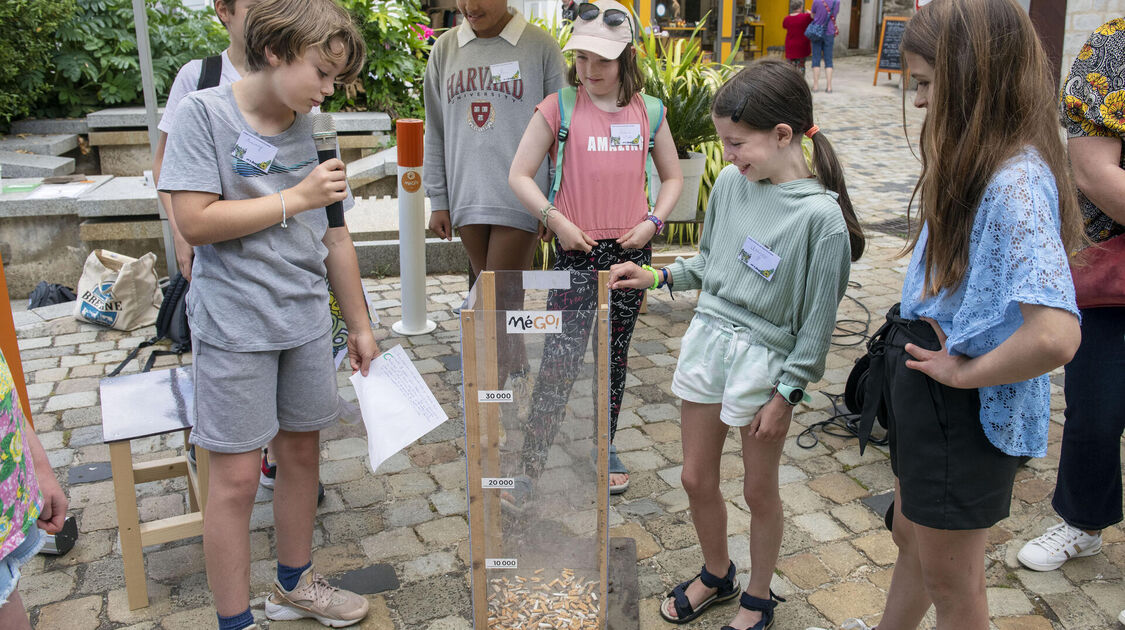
x=252, y=149
x=504, y=72
x=627, y=135
x=759, y=258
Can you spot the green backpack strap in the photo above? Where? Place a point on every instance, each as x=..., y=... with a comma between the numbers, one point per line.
x=655, y=109
x=568, y=96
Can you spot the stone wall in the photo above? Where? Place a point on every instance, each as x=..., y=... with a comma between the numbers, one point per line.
x=1082, y=17
x=898, y=7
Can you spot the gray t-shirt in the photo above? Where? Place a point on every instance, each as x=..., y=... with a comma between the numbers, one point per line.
x=264, y=291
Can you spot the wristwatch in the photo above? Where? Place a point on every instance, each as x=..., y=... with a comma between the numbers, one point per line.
x=792, y=395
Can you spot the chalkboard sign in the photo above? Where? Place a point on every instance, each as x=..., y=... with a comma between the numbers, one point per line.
x=890, y=59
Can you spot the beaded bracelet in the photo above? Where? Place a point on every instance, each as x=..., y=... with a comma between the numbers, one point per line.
x=655, y=220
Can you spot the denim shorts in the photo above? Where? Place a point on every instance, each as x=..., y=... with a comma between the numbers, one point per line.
x=722, y=363
x=11, y=563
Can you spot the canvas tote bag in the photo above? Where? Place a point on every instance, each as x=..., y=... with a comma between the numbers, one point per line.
x=118, y=291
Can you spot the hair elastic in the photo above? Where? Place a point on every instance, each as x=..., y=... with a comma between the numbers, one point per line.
x=812, y=131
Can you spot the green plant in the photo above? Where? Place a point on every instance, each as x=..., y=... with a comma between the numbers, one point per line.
x=676, y=73
x=96, y=63
x=25, y=51
x=397, y=49
x=560, y=31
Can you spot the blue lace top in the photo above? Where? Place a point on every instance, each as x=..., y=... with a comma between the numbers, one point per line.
x=1015, y=256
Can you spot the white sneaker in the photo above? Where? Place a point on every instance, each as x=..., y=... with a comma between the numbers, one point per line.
x=850, y=624
x=1059, y=544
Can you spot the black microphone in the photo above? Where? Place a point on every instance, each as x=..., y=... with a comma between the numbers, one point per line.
x=324, y=137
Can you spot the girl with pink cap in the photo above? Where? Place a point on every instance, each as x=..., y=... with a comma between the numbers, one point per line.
x=600, y=216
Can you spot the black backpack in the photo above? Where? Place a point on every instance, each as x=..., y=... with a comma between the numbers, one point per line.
x=46, y=294
x=171, y=324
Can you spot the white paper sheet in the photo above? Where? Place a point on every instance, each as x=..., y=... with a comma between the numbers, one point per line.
x=56, y=191
x=397, y=405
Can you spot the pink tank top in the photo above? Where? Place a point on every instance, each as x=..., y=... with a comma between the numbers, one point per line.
x=603, y=185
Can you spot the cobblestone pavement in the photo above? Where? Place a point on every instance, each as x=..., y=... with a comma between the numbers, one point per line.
x=836, y=560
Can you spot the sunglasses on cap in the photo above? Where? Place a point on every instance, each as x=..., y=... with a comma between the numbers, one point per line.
x=612, y=17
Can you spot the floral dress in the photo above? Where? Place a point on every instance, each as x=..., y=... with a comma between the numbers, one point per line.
x=20, y=501
x=1093, y=104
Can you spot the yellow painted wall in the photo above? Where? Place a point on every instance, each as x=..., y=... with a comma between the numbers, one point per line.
x=772, y=12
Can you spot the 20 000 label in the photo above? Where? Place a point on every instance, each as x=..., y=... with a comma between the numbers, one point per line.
x=494, y=396
x=501, y=563
x=497, y=482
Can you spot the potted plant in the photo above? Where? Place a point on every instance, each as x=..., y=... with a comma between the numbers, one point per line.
x=676, y=73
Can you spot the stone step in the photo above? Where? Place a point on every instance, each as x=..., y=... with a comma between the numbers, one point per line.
x=31, y=165
x=42, y=144
x=134, y=117
x=120, y=117
x=381, y=258
x=51, y=125
x=373, y=167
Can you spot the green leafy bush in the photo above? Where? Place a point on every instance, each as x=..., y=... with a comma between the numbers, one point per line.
x=397, y=49
x=677, y=73
x=26, y=47
x=97, y=63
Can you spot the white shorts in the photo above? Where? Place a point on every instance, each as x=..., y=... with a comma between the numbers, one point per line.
x=721, y=363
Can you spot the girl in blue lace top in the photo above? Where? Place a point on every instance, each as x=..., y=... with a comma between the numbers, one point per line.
x=987, y=303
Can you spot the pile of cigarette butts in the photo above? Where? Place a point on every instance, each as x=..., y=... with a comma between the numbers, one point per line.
x=543, y=601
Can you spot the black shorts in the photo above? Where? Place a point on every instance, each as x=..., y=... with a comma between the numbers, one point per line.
x=950, y=475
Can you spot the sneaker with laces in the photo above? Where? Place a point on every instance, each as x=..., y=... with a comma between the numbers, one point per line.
x=851, y=624
x=1059, y=544
x=315, y=598
x=268, y=477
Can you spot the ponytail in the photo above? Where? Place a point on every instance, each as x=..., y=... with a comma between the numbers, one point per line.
x=831, y=175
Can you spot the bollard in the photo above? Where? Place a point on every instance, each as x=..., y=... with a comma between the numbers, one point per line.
x=411, y=230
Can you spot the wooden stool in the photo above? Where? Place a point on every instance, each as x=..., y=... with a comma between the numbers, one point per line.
x=144, y=405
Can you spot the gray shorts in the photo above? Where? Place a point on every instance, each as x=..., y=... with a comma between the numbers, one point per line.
x=242, y=399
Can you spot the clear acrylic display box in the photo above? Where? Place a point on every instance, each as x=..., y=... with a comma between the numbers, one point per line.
x=535, y=360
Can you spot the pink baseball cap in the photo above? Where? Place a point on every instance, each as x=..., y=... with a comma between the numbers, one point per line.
x=596, y=36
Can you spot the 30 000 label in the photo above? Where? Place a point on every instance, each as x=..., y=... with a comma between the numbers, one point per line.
x=494, y=396
x=497, y=482
x=501, y=563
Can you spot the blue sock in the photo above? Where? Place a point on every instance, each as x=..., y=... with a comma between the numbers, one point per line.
x=288, y=576
x=237, y=622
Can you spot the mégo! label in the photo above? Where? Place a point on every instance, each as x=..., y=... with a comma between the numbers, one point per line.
x=529, y=322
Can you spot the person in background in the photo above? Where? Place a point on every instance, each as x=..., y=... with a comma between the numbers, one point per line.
x=1088, y=489
x=797, y=46
x=232, y=15
x=824, y=14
